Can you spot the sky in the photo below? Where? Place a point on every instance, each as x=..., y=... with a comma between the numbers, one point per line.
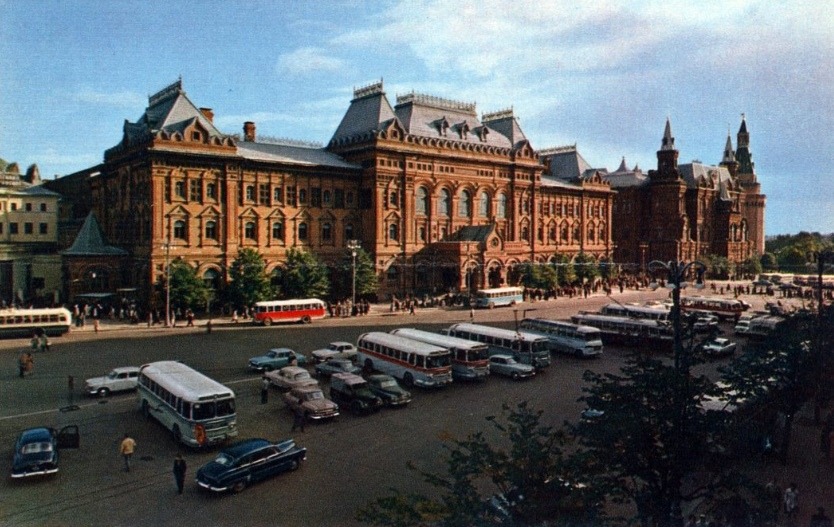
x=602, y=75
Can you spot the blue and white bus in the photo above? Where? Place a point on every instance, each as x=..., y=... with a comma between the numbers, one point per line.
x=413, y=362
x=647, y=312
x=499, y=296
x=566, y=337
x=470, y=360
x=525, y=347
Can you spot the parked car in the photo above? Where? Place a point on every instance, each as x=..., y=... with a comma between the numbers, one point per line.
x=310, y=401
x=277, y=358
x=351, y=390
x=388, y=389
x=290, y=377
x=507, y=365
x=705, y=323
x=718, y=347
x=336, y=366
x=345, y=349
x=36, y=450
x=118, y=380
x=246, y=462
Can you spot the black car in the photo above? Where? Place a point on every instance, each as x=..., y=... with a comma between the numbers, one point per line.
x=36, y=450
x=352, y=391
x=249, y=461
x=386, y=388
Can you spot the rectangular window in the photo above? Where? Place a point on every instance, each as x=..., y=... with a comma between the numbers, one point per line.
x=302, y=196
x=195, y=190
x=28, y=207
x=13, y=228
x=339, y=198
x=179, y=189
x=291, y=196
x=278, y=195
x=315, y=197
x=250, y=193
x=14, y=206
x=28, y=228
x=263, y=194
x=43, y=207
x=44, y=228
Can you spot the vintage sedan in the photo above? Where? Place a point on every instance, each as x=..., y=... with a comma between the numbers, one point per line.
x=337, y=366
x=507, y=365
x=118, y=380
x=311, y=402
x=344, y=349
x=246, y=462
x=388, y=389
x=718, y=347
x=276, y=359
x=36, y=450
x=290, y=377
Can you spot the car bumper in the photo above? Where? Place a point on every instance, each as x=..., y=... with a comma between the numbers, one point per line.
x=34, y=472
x=208, y=486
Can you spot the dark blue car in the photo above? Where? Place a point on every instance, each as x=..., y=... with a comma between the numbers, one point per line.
x=249, y=461
x=36, y=450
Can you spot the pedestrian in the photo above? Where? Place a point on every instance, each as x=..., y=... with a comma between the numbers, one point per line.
x=44, y=342
x=264, y=390
x=126, y=448
x=472, y=314
x=26, y=363
x=35, y=343
x=179, y=472
x=299, y=420
x=95, y=325
x=791, y=500
x=820, y=519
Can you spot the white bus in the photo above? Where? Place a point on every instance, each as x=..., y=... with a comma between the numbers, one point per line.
x=415, y=363
x=470, y=360
x=54, y=321
x=629, y=331
x=525, y=347
x=566, y=337
x=648, y=312
x=499, y=296
x=198, y=410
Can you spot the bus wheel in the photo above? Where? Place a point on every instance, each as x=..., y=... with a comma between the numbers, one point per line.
x=267, y=321
x=177, y=434
x=146, y=411
x=239, y=486
x=305, y=320
x=408, y=380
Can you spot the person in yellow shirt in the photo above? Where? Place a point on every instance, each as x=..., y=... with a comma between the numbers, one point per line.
x=127, y=448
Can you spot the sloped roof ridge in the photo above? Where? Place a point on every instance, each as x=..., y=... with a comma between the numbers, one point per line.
x=90, y=241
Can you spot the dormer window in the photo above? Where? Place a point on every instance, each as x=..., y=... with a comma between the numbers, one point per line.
x=443, y=126
x=463, y=128
x=483, y=132
x=196, y=136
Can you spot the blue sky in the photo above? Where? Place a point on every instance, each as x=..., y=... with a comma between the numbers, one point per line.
x=603, y=75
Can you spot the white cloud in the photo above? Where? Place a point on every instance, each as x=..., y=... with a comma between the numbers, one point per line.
x=307, y=61
x=122, y=99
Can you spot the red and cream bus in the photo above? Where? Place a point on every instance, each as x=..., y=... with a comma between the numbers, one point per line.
x=413, y=362
x=304, y=311
x=723, y=308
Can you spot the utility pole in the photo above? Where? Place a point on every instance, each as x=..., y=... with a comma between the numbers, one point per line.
x=353, y=246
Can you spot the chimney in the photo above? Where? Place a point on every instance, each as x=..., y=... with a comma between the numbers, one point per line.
x=249, y=131
x=208, y=114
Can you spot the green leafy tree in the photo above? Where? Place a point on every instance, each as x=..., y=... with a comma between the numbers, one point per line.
x=303, y=276
x=718, y=267
x=793, y=259
x=367, y=280
x=751, y=267
x=536, y=276
x=608, y=269
x=565, y=271
x=248, y=281
x=530, y=462
x=188, y=291
x=769, y=262
x=587, y=269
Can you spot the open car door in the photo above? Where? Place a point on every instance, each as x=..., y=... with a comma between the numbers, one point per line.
x=69, y=437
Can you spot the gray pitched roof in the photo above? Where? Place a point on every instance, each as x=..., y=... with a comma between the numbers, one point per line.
x=567, y=163
x=505, y=123
x=718, y=176
x=90, y=241
x=368, y=109
x=471, y=233
x=291, y=154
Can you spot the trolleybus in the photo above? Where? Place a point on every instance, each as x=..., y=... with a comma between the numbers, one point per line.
x=415, y=363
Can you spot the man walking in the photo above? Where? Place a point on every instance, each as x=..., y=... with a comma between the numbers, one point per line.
x=127, y=447
x=179, y=472
x=264, y=390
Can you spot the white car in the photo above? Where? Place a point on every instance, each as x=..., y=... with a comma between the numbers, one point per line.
x=718, y=347
x=290, y=377
x=345, y=350
x=118, y=380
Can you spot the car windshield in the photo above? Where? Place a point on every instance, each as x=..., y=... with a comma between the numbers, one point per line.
x=510, y=360
x=333, y=347
x=35, y=448
x=313, y=396
x=112, y=375
x=224, y=460
x=389, y=383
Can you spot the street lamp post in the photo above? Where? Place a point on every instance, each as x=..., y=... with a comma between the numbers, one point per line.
x=353, y=246
x=168, y=284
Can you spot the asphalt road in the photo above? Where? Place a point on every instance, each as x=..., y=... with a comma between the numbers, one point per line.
x=350, y=460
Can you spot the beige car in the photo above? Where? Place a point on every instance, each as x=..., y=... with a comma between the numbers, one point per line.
x=290, y=377
x=310, y=401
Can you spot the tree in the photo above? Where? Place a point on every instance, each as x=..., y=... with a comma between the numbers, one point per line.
x=532, y=472
x=751, y=267
x=187, y=289
x=248, y=282
x=586, y=267
x=793, y=259
x=367, y=280
x=769, y=262
x=565, y=271
x=535, y=276
x=608, y=269
x=302, y=276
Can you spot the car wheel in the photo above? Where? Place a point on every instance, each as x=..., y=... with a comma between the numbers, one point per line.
x=239, y=486
x=408, y=380
x=578, y=354
x=294, y=464
x=103, y=392
x=268, y=368
x=516, y=376
x=267, y=321
x=356, y=407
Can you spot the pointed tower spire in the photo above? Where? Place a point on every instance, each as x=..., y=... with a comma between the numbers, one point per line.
x=743, y=155
x=729, y=159
x=667, y=156
x=668, y=140
x=623, y=167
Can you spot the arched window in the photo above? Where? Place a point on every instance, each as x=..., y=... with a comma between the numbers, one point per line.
x=394, y=198
x=552, y=233
x=278, y=230
x=465, y=210
x=211, y=230
x=421, y=204
x=577, y=234
x=211, y=278
x=393, y=232
x=525, y=233
x=179, y=230
x=249, y=230
x=590, y=233
x=502, y=206
x=444, y=203
x=564, y=234
x=326, y=232
x=483, y=204
x=602, y=234
x=302, y=231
